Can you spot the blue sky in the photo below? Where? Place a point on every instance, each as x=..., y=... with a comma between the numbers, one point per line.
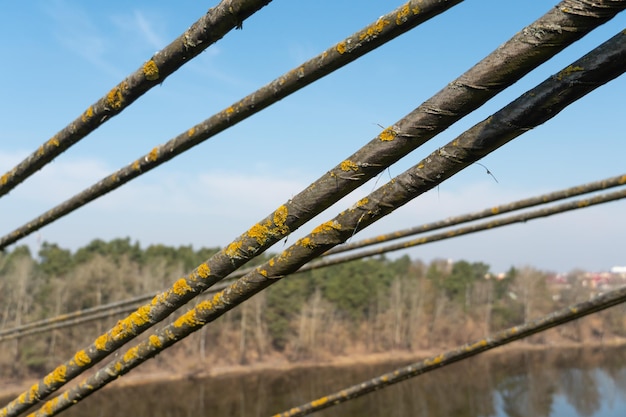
x=60, y=56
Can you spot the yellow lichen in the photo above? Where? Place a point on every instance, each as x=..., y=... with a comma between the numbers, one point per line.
x=55, y=377
x=40, y=151
x=155, y=341
x=101, y=342
x=326, y=227
x=362, y=202
x=495, y=210
x=141, y=316
x=4, y=179
x=81, y=358
x=188, y=319
x=131, y=354
x=319, y=402
x=204, y=271
x=136, y=165
x=115, y=97
x=402, y=14
x=191, y=132
x=154, y=154
x=387, y=135
x=48, y=408
x=233, y=249
x=307, y=242
x=348, y=165
x=230, y=110
x=33, y=393
x=280, y=216
x=259, y=232
x=22, y=398
x=341, y=48
x=374, y=30
x=567, y=71
x=181, y=287
x=117, y=367
x=151, y=71
x=88, y=114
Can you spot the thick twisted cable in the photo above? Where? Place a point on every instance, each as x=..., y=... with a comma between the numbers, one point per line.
x=531, y=109
x=565, y=315
x=383, y=30
x=560, y=27
x=218, y=21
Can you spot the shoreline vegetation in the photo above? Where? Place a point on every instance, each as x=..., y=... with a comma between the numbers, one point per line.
x=392, y=359
x=366, y=311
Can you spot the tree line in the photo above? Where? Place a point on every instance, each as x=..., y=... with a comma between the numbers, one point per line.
x=363, y=306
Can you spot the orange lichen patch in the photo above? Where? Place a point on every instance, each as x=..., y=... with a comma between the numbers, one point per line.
x=151, y=71
x=348, y=165
x=319, y=402
x=4, y=179
x=154, y=154
x=188, y=319
x=271, y=262
x=49, y=407
x=495, y=210
x=191, y=132
x=33, y=393
x=81, y=358
x=280, y=216
x=230, y=110
x=260, y=233
x=131, y=354
x=374, y=30
x=155, y=341
x=232, y=250
x=181, y=287
x=101, y=342
x=53, y=142
x=622, y=179
x=159, y=299
x=88, y=114
x=567, y=71
x=362, y=202
x=341, y=48
x=117, y=367
x=136, y=165
x=326, y=227
x=115, y=97
x=263, y=272
x=387, y=135
x=141, y=316
x=402, y=14
x=204, y=271
x=307, y=242
x=56, y=376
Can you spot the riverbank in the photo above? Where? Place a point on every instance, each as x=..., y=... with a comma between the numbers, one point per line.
x=278, y=364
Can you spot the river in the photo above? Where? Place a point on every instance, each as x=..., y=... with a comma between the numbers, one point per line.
x=548, y=382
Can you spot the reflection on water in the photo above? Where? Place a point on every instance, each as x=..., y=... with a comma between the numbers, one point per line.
x=556, y=383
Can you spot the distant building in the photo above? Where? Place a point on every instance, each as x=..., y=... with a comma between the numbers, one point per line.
x=618, y=270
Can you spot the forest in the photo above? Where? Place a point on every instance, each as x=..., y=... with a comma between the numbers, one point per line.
x=359, y=307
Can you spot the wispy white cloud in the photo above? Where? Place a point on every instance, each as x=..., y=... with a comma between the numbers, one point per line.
x=148, y=33
x=213, y=207
x=77, y=31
